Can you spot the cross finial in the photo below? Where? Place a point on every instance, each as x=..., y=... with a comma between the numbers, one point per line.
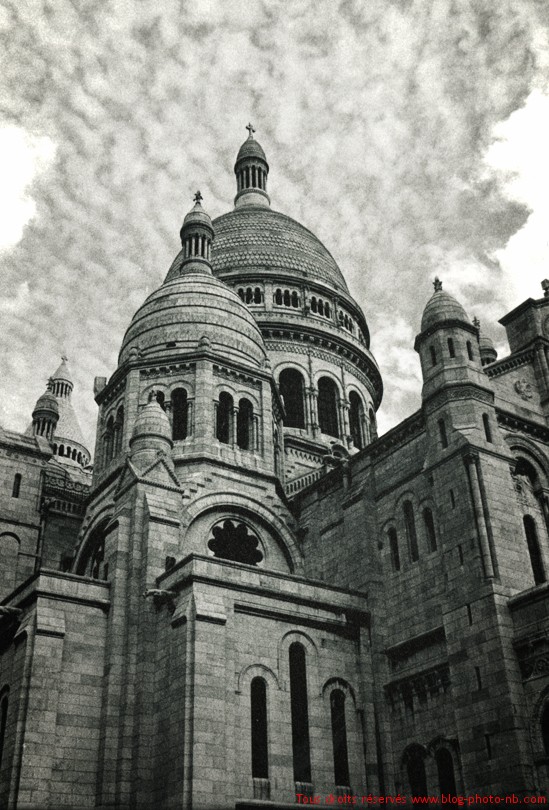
x=437, y=284
x=64, y=358
x=197, y=197
x=476, y=322
x=251, y=130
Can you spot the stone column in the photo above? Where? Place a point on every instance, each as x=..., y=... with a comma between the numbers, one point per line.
x=471, y=461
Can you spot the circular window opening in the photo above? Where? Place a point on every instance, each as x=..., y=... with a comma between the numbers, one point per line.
x=233, y=541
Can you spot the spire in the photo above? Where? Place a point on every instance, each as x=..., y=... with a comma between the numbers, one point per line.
x=197, y=235
x=251, y=169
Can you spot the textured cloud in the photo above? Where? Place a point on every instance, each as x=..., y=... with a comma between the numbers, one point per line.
x=376, y=118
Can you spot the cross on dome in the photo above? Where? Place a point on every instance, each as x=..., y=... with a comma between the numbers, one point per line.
x=437, y=284
x=198, y=197
x=251, y=130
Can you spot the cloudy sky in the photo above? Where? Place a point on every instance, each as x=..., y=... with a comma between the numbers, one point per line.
x=410, y=135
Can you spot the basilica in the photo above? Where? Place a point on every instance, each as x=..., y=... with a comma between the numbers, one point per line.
x=250, y=599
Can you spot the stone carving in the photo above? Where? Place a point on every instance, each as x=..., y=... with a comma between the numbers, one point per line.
x=524, y=389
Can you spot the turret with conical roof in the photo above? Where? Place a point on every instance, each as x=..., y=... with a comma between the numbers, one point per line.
x=45, y=415
x=251, y=169
x=69, y=442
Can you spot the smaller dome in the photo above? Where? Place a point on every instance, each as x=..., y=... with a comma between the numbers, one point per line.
x=152, y=421
x=488, y=353
x=251, y=148
x=442, y=307
x=63, y=372
x=197, y=215
x=47, y=403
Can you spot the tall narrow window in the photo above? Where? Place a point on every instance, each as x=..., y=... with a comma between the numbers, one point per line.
x=292, y=390
x=487, y=429
x=339, y=738
x=278, y=297
x=356, y=418
x=260, y=749
x=16, y=485
x=300, y=713
x=470, y=354
x=244, y=424
x=416, y=773
x=224, y=417
x=393, y=545
x=430, y=529
x=534, y=549
x=445, y=768
x=442, y=433
x=433, y=355
x=451, y=349
x=327, y=406
x=3, y=723
x=118, y=430
x=373, y=425
x=544, y=723
x=411, y=534
x=179, y=414
x=108, y=440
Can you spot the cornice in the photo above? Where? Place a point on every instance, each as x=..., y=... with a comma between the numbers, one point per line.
x=513, y=422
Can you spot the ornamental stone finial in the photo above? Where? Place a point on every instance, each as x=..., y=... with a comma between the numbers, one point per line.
x=437, y=284
x=251, y=130
x=198, y=197
x=545, y=287
x=476, y=322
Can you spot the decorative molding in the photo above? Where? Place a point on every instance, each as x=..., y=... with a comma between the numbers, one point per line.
x=166, y=368
x=509, y=363
x=229, y=373
x=533, y=655
x=404, y=649
x=513, y=422
x=409, y=429
x=431, y=681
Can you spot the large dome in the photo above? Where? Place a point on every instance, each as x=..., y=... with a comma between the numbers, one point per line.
x=191, y=310
x=255, y=237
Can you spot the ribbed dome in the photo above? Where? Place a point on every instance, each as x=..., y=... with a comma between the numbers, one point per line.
x=47, y=402
x=197, y=215
x=258, y=238
x=62, y=372
x=183, y=311
x=442, y=307
x=152, y=421
x=251, y=149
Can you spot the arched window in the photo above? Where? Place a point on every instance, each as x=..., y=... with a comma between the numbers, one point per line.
x=179, y=414
x=295, y=299
x=356, y=418
x=411, y=534
x=339, y=738
x=278, y=297
x=287, y=300
x=260, y=748
x=534, y=549
x=327, y=309
x=320, y=306
x=244, y=424
x=3, y=723
x=393, y=545
x=73, y=455
x=161, y=399
x=118, y=430
x=313, y=304
x=292, y=390
x=327, y=406
x=108, y=440
x=544, y=723
x=442, y=433
x=62, y=450
x=249, y=295
x=258, y=297
x=241, y=293
x=415, y=767
x=224, y=418
x=16, y=488
x=430, y=528
x=487, y=429
x=445, y=768
x=300, y=713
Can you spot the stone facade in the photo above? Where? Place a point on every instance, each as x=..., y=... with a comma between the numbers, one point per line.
x=255, y=596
